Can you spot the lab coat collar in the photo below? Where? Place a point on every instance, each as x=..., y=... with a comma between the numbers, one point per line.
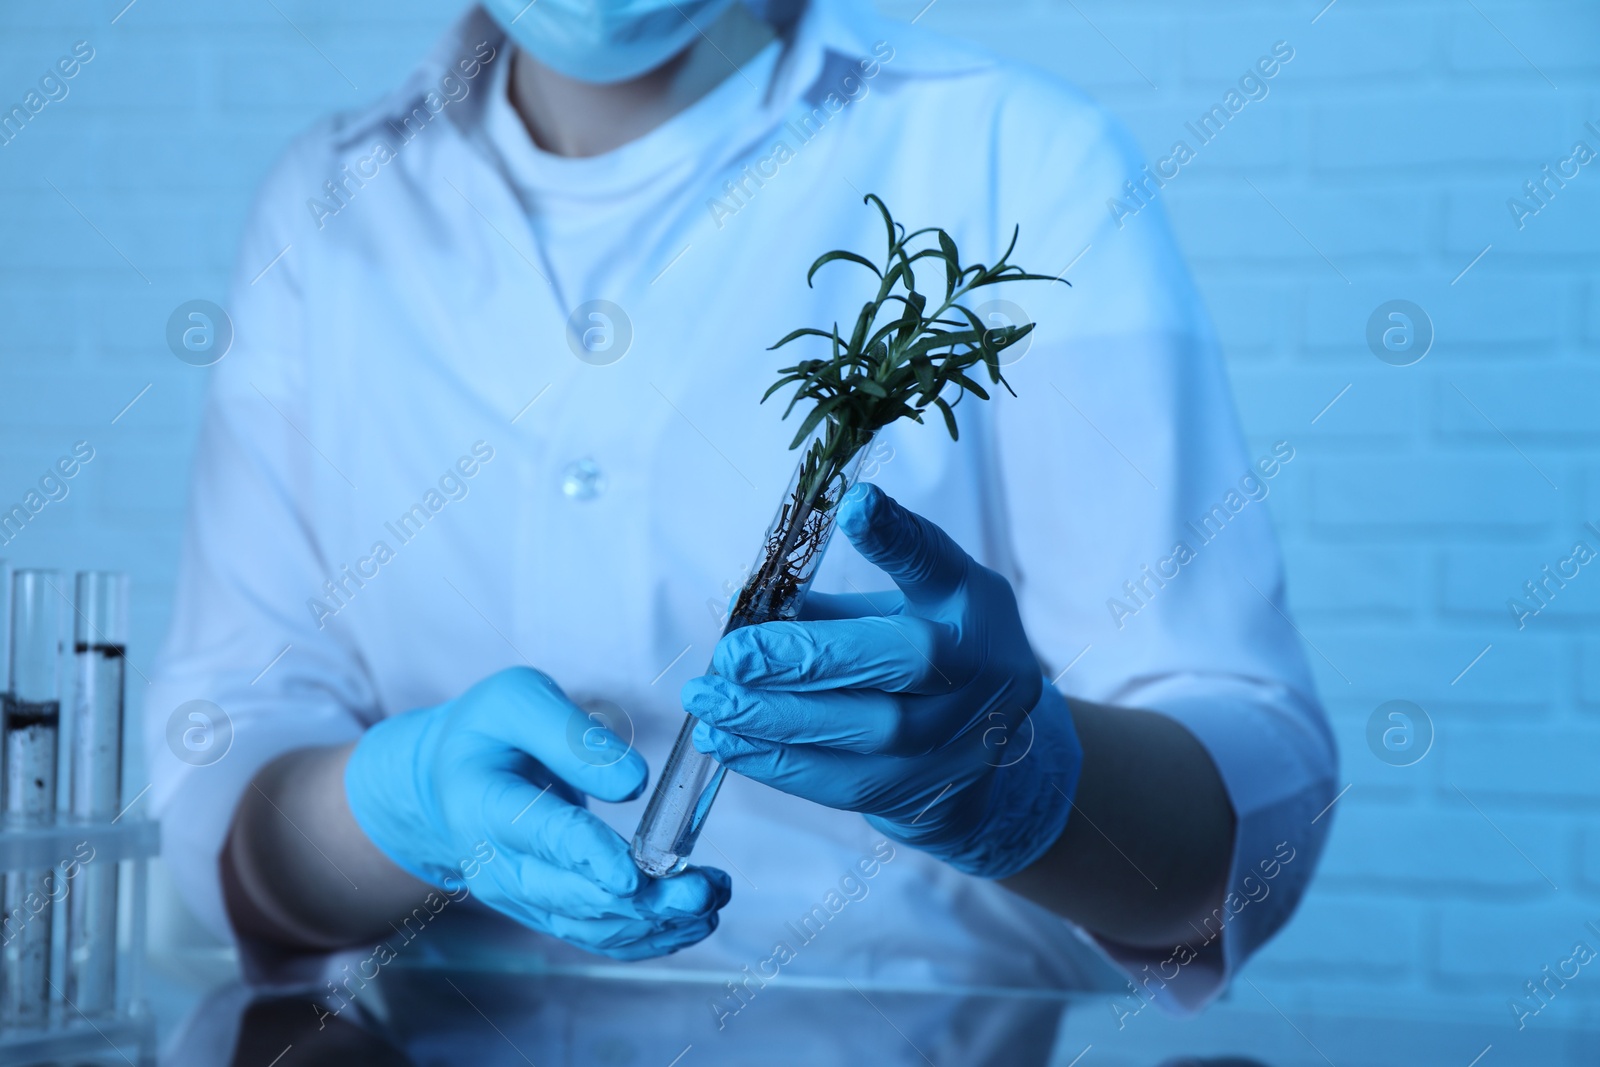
x=853, y=29
x=850, y=29
x=462, y=42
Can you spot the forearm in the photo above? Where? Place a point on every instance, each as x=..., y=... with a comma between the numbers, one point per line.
x=297, y=869
x=1148, y=845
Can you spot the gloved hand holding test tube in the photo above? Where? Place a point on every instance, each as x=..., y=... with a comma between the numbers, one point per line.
x=886, y=371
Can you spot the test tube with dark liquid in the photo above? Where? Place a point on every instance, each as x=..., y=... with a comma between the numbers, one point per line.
x=5, y=657
x=7, y=690
x=32, y=728
x=99, y=646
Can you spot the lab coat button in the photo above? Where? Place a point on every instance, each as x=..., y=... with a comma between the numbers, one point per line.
x=582, y=479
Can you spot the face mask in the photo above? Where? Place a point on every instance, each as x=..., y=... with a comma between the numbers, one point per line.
x=604, y=41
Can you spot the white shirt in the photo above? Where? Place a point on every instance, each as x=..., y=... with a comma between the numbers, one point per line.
x=415, y=329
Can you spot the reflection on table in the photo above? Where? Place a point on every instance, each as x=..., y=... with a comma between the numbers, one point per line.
x=617, y=1017
x=437, y=1018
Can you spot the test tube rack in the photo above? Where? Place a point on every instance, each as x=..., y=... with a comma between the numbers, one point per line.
x=67, y=1035
x=74, y=861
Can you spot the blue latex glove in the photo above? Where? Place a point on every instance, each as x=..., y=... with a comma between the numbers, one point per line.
x=499, y=764
x=925, y=710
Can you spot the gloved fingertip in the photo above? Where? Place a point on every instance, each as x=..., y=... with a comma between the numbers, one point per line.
x=771, y=655
x=619, y=876
x=606, y=861
x=721, y=883
x=696, y=687
x=703, y=694
x=861, y=509
x=728, y=748
x=634, y=774
x=689, y=894
x=620, y=779
x=736, y=653
x=667, y=943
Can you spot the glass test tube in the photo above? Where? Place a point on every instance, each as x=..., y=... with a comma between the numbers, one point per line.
x=7, y=692
x=7, y=702
x=95, y=787
x=5, y=650
x=775, y=591
x=32, y=729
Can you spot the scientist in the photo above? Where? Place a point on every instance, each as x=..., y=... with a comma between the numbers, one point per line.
x=489, y=439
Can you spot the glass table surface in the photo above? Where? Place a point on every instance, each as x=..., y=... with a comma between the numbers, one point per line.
x=494, y=1012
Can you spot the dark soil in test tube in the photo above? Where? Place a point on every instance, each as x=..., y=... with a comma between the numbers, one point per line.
x=31, y=732
x=21, y=714
x=95, y=787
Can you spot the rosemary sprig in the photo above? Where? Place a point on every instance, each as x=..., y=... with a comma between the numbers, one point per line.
x=898, y=367
x=888, y=370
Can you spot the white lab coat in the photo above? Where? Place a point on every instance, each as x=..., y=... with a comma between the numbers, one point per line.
x=414, y=328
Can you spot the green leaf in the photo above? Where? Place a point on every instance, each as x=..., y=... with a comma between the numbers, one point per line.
x=1017, y=333
x=804, y=331
x=909, y=279
x=991, y=363
x=897, y=271
x=969, y=385
x=817, y=414
x=882, y=332
x=1005, y=257
x=972, y=317
x=952, y=263
x=933, y=339
x=888, y=220
x=779, y=384
x=863, y=324
x=829, y=257
x=911, y=318
x=949, y=418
